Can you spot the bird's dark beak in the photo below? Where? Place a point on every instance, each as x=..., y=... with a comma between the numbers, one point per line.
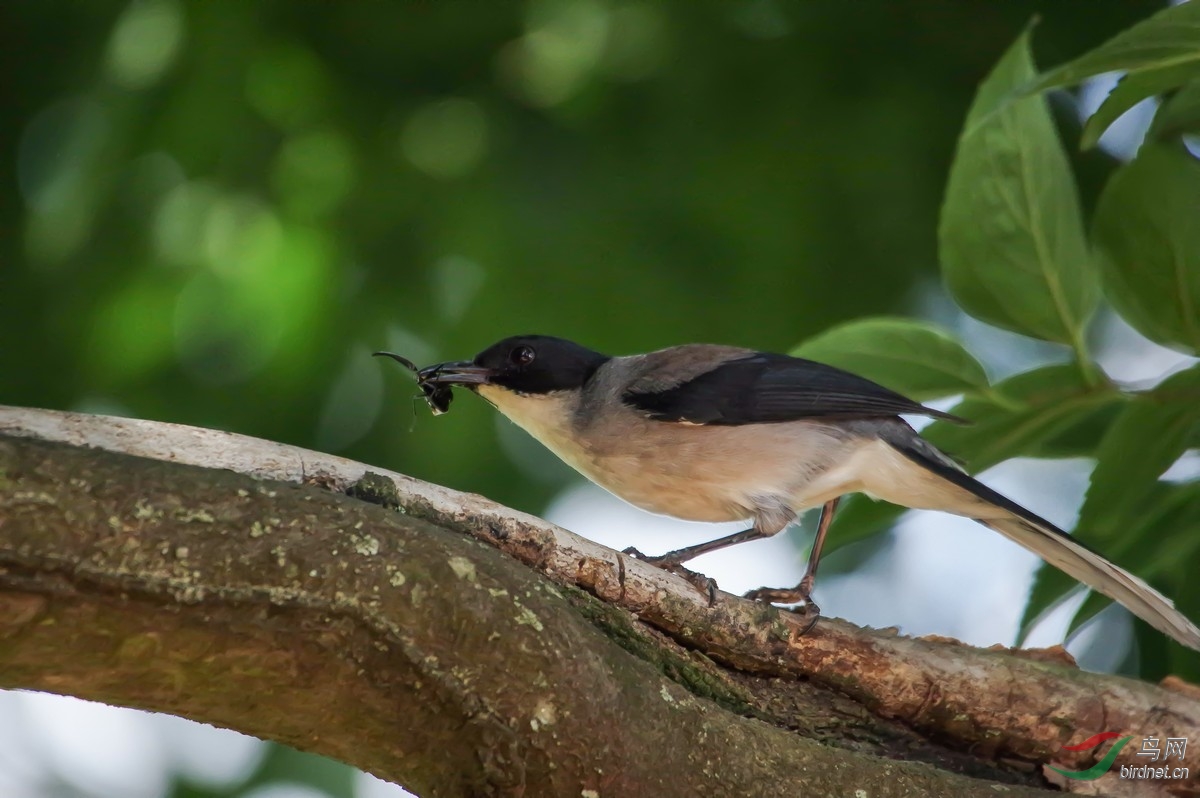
x=459, y=372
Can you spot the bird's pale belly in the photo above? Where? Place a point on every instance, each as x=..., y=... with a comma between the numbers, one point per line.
x=693, y=472
x=701, y=476
x=659, y=488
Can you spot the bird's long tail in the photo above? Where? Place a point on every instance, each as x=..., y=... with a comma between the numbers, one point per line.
x=976, y=500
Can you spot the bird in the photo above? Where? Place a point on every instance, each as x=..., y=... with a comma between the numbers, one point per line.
x=706, y=432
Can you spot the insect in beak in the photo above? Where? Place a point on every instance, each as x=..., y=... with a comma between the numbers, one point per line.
x=437, y=394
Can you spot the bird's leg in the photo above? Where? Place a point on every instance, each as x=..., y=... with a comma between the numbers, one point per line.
x=673, y=561
x=678, y=557
x=803, y=591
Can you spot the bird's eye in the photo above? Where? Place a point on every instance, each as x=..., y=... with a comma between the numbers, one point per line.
x=522, y=356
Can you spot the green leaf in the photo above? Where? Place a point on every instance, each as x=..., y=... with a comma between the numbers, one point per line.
x=1179, y=114
x=1151, y=434
x=1011, y=238
x=1147, y=234
x=1181, y=661
x=1038, y=406
x=1129, y=91
x=1169, y=39
x=1153, y=658
x=915, y=358
x=1083, y=435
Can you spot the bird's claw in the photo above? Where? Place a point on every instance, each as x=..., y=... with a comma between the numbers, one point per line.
x=705, y=585
x=798, y=595
x=664, y=561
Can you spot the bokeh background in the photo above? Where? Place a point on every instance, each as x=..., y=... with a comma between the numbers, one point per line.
x=216, y=210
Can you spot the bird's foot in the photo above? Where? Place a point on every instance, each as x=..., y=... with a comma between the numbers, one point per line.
x=706, y=585
x=667, y=562
x=798, y=595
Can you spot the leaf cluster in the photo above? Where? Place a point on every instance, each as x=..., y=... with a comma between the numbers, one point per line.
x=1016, y=252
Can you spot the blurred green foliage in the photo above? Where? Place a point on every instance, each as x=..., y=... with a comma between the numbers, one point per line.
x=221, y=208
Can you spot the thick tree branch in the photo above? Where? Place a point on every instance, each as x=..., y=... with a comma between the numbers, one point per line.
x=392, y=643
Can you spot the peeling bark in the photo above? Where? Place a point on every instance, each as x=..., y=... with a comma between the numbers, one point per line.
x=268, y=601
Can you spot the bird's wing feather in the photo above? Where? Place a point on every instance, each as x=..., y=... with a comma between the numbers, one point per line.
x=756, y=387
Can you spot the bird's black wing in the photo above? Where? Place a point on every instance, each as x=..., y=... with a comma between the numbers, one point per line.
x=761, y=388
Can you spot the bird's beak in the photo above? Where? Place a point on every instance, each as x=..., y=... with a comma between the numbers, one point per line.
x=459, y=372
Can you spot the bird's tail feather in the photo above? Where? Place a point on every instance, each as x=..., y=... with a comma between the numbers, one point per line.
x=1055, y=546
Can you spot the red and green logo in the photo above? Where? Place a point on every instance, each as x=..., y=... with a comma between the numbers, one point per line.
x=1100, y=768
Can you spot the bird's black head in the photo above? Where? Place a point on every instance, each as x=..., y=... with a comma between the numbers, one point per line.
x=538, y=364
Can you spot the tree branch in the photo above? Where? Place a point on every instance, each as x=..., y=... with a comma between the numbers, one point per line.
x=392, y=641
